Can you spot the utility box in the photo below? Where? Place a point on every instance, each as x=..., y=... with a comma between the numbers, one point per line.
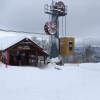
x=67, y=46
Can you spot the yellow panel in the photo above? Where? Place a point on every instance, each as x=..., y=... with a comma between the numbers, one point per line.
x=64, y=46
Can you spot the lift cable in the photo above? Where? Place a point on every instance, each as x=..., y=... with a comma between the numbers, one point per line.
x=65, y=27
x=21, y=32
x=62, y=26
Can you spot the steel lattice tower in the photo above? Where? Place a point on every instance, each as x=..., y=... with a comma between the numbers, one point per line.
x=55, y=10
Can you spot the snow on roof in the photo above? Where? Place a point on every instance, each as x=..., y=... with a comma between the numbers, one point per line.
x=8, y=41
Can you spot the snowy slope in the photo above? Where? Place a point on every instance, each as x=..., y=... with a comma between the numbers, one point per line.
x=83, y=42
x=73, y=82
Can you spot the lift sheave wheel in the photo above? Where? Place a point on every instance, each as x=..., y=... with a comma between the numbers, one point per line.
x=46, y=28
x=61, y=6
x=50, y=28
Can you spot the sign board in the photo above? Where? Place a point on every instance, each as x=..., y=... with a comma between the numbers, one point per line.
x=24, y=47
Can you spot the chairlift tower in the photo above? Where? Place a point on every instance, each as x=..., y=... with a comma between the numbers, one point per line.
x=55, y=10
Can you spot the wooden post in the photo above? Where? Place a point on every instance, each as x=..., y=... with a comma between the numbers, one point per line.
x=36, y=57
x=44, y=59
x=8, y=58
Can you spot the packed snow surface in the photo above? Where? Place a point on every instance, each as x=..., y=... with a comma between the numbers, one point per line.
x=72, y=82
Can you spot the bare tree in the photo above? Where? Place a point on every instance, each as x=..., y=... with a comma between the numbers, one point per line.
x=43, y=43
x=88, y=55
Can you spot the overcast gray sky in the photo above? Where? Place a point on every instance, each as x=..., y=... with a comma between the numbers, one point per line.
x=83, y=19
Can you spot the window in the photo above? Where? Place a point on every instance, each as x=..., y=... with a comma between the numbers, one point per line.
x=70, y=45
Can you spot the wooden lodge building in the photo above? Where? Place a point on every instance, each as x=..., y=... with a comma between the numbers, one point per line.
x=21, y=51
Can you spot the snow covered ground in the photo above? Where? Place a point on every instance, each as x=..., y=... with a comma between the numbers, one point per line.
x=72, y=82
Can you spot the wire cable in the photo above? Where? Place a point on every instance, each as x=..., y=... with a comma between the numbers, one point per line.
x=20, y=31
